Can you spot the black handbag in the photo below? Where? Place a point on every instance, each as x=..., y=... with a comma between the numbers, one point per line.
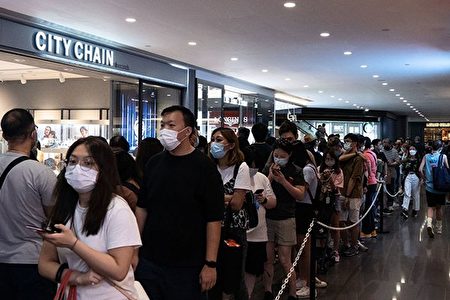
x=441, y=176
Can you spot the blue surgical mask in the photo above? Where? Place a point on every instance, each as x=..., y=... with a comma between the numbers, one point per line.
x=218, y=150
x=280, y=161
x=347, y=146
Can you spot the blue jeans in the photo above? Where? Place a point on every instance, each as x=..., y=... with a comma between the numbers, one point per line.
x=169, y=283
x=23, y=282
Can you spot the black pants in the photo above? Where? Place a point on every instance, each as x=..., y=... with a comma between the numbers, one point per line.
x=368, y=223
x=23, y=282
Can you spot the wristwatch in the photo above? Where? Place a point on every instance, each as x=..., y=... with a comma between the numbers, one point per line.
x=210, y=264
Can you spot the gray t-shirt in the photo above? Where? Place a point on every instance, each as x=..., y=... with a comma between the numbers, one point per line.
x=310, y=174
x=28, y=187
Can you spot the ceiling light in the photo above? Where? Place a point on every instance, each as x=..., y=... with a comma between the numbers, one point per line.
x=402, y=98
x=366, y=109
x=357, y=107
x=289, y=4
x=363, y=66
x=22, y=79
x=384, y=83
x=234, y=59
x=19, y=60
x=130, y=20
x=404, y=101
x=397, y=95
x=391, y=90
x=264, y=70
x=348, y=53
x=61, y=78
x=408, y=104
x=325, y=34
x=354, y=104
x=411, y=106
x=375, y=76
x=192, y=43
x=306, y=86
x=68, y=69
x=346, y=101
x=287, y=79
x=332, y=96
x=320, y=92
x=340, y=99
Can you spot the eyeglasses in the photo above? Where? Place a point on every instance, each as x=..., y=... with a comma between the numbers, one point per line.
x=87, y=163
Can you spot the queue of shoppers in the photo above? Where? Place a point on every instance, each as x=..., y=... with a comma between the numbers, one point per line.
x=181, y=220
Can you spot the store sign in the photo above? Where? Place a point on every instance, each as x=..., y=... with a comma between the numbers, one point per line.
x=73, y=49
x=438, y=125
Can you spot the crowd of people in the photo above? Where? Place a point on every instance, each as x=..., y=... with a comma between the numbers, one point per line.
x=194, y=220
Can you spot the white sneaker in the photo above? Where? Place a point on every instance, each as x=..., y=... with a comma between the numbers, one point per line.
x=300, y=283
x=303, y=293
x=320, y=284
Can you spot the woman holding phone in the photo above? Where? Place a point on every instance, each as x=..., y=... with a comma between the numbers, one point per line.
x=98, y=229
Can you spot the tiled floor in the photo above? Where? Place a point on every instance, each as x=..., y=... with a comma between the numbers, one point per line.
x=402, y=264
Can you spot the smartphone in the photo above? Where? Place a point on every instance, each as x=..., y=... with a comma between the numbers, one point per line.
x=35, y=228
x=259, y=191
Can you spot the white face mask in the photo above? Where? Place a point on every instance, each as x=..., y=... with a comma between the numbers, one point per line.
x=169, y=138
x=412, y=152
x=81, y=181
x=280, y=161
x=347, y=146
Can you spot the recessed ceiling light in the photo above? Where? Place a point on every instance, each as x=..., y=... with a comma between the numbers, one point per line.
x=306, y=86
x=401, y=98
x=357, y=107
x=346, y=101
x=130, y=20
x=348, y=53
x=325, y=34
x=375, y=76
x=234, y=59
x=397, y=95
x=391, y=90
x=320, y=92
x=408, y=104
x=412, y=106
x=354, y=104
x=366, y=109
x=192, y=43
x=332, y=96
x=287, y=79
x=404, y=101
x=340, y=99
x=289, y=4
x=264, y=70
x=363, y=66
x=384, y=83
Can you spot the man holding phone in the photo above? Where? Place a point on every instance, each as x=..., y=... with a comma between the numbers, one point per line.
x=26, y=199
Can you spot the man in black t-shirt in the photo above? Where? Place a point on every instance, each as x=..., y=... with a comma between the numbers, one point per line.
x=179, y=214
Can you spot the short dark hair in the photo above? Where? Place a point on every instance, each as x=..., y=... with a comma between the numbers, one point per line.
x=119, y=141
x=260, y=132
x=188, y=116
x=436, y=145
x=375, y=142
x=17, y=124
x=147, y=148
x=244, y=132
x=288, y=126
x=353, y=137
x=127, y=167
x=367, y=142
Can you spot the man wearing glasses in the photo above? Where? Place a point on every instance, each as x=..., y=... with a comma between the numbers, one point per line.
x=25, y=201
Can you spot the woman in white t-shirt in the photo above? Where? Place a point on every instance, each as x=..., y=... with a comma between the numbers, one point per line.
x=97, y=229
x=257, y=237
x=225, y=152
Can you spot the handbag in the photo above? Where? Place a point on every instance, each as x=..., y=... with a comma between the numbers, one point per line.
x=441, y=176
x=60, y=293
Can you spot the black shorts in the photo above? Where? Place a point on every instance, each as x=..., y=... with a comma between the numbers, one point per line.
x=435, y=199
x=304, y=214
x=256, y=257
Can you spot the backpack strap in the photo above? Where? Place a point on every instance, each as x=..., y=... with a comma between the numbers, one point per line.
x=236, y=170
x=10, y=166
x=131, y=187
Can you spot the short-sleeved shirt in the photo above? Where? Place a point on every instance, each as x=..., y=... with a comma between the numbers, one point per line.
x=27, y=189
x=310, y=175
x=259, y=233
x=181, y=195
x=371, y=158
x=285, y=208
x=431, y=160
x=119, y=229
x=354, y=169
x=392, y=156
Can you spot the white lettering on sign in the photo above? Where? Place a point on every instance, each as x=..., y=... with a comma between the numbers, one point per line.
x=230, y=121
x=60, y=45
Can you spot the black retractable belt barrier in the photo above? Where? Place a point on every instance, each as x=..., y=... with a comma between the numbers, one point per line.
x=382, y=210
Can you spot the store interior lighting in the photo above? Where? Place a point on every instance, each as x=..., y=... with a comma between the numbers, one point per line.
x=22, y=79
x=61, y=78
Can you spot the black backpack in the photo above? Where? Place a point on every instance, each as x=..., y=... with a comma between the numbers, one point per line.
x=249, y=203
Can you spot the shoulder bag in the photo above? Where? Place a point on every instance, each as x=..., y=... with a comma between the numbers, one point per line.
x=441, y=176
x=10, y=166
x=60, y=293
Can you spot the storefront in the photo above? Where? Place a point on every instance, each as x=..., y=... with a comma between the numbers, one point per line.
x=226, y=102
x=75, y=86
x=437, y=131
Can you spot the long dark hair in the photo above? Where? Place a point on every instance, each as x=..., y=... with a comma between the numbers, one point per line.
x=335, y=167
x=107, y=181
